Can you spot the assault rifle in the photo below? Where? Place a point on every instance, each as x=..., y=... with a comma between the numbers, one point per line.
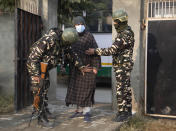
x=39, y=98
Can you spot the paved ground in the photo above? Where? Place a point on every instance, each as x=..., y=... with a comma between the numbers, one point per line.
x=102, y=115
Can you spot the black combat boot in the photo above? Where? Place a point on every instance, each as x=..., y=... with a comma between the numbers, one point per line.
x=123, y=116
x=44, y=122
x=49, y=114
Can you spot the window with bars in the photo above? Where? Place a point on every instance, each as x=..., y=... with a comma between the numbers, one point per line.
x=162, y=9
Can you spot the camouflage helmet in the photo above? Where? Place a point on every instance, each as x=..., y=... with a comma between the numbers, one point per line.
x=120, y=15
x=70, y=35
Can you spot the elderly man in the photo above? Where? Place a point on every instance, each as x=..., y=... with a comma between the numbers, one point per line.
x=81, y=89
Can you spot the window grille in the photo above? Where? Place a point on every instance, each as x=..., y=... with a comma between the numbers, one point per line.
x=162, y=9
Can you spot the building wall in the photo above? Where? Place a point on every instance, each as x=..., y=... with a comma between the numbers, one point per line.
x=133, y=8
x=7, y=43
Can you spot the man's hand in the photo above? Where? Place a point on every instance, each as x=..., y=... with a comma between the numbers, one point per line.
x=90, y=51
x=86, y=69
x=95, y=71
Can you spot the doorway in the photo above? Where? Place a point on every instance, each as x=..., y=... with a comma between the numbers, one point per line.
x=28, y=30
x=160, y=60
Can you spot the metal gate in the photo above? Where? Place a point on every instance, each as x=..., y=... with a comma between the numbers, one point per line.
x=28, y=30
x=161, y=59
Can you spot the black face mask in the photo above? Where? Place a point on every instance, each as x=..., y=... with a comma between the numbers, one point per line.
x=120, y=26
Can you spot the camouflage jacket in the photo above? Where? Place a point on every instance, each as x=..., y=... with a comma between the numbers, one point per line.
x=122, y=49
x=49, y=49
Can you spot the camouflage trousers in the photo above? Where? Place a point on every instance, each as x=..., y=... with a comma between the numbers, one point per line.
x=44, y=102
x=123, y=90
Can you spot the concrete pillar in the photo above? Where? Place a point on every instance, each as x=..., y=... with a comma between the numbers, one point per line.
x=142, y=48
x=133, y=8
x=48, y=12
x=114, y=98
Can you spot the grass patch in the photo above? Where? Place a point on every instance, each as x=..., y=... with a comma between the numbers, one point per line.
x=136, y=123
x=143, y=123
x=161, y=125
x=6, y=104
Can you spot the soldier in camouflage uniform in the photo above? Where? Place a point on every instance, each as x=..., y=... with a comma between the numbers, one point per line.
x=121, y=51
x=50, y=49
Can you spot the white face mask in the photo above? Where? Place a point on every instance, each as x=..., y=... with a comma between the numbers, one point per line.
x=80, y=28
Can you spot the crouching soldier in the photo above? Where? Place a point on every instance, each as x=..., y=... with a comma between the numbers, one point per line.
x=122, y=52
x=49, y=49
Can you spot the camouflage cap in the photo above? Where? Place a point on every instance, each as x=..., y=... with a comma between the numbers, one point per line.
x=70, y=35
x=78, y=20
x=120, y=15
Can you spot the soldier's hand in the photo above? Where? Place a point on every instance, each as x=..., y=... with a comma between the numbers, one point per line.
x=90, y=51
x=86, y=69
x=36, y=79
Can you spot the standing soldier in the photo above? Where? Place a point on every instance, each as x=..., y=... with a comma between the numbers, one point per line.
x=49, y=49
x=122, y=52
